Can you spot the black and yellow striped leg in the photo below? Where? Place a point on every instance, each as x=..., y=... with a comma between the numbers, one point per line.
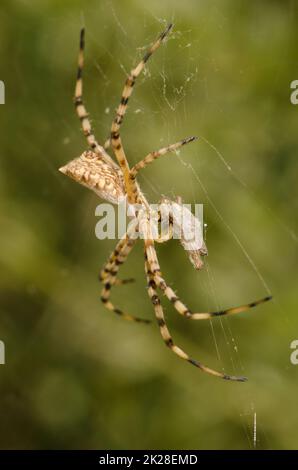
x=130, y=184
x=111, y=267
x=108, y=277
x=158, y=153
x=79, y=104
x=107, y=144
x=184, y=311
x=165, y=333
x=123, y=282
x=181, y=308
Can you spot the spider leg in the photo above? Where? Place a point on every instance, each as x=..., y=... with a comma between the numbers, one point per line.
x=122, y=282
x=111, y=267
x=158, y=153
x=131, y=186
x=110, y=270
x=165, y=333
x=108, y=277
x=165, y=238
x=183, y=310
x=107, y=144
x=79, y=104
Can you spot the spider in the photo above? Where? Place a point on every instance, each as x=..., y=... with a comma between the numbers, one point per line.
x=114, y=182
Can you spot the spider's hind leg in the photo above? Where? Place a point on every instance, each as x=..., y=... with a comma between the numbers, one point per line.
x=115, y=137
x=80, y=107
x=158, y=153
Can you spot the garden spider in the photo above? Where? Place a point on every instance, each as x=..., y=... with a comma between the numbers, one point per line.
x=113, y=182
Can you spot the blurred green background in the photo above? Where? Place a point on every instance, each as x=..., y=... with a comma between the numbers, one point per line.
x=77, y=376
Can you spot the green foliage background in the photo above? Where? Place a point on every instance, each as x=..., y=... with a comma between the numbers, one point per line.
x=75, y=375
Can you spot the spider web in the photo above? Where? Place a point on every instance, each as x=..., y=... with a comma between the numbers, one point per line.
x=170, y=106
x=172, y=98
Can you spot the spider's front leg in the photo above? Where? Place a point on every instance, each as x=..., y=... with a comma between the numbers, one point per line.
x=183, y=310
x=195, y=247
x=152, y=267
x=111, y=268
x=108, y=276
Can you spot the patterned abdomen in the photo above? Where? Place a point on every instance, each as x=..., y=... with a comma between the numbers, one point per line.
x=101, y=175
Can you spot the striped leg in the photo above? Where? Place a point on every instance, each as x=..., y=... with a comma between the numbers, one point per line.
x=122, y=282
x=108, y=277
x=115, y=129
x=112, y=266
x=180, y=306
x=80, y=108
x=183, y=310
x=107, y=144
x=158, y=153
x=166, y=335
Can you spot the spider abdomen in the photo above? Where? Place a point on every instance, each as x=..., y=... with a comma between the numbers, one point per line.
x=99, y=175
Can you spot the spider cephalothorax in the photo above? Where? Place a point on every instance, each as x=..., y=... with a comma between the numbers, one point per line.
x=114, y=182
